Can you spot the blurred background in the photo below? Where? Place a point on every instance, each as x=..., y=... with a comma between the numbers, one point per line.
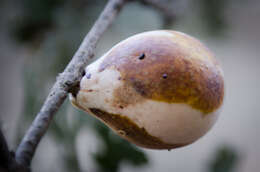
x=39, y=37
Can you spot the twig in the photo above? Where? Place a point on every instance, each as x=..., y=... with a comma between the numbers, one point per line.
x=7, y=160
x=69, y=79
x=4, y=152
x=65, y=82
x=164, y=6
x=167, y=8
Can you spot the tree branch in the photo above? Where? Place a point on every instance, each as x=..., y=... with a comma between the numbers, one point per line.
x=164, y=6
x=4, y=152
x=68, y=80
x=65, y=82
x=7, y=160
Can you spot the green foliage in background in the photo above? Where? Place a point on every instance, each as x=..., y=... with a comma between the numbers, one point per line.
x=212, y=11
x=225, y=160
x=119, y=149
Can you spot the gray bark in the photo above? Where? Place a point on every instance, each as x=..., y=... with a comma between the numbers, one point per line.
x=69, y=79
x=65, y=82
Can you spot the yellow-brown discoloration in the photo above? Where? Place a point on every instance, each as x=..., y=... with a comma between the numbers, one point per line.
x=195, y=47
x=130, y=131
x=127, y=129
x=125, y=95
x=175, y=68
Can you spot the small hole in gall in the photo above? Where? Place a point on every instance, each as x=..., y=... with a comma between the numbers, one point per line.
x=141, y=57
x=164, y=76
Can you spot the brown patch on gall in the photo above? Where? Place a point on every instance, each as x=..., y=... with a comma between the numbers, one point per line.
x=125, y=95
x=130, y=131
x=193, y=75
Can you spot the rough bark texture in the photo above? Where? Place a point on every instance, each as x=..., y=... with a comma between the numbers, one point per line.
x=65, y=82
